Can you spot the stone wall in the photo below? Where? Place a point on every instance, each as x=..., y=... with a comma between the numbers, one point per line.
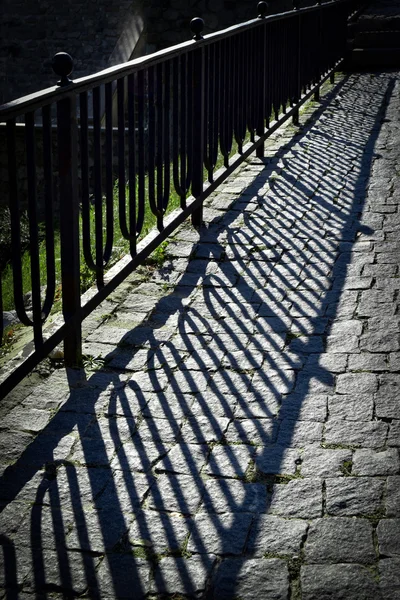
x=99, y=33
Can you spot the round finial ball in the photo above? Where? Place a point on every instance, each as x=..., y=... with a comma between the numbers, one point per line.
x=62, y=64
x=196, y=27
x=262, y=8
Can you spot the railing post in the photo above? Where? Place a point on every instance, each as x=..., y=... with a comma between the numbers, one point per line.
x=295, y=118
x=197, y=26
x=319, y=38
x=69, y=214
x=262, y=8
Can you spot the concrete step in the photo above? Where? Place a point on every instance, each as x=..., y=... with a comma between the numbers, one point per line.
x=375, y=57
x=376, y=23
x=377, y=39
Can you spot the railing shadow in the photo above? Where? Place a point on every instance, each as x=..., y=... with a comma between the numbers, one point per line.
x=187, y=457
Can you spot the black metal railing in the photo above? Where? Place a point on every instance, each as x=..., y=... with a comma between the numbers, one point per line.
x=133, y=134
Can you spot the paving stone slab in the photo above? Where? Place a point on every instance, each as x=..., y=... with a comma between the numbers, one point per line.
x=308, y=499
x=123, y=576
x=226, y=496
x=176, y=493
x=388, y=532
x=229, y=461
x=338, y=582
x=393, y=496
x=352, y=496
x=275, y=535
x=367, y=434
x=182, y=576
x=218, y=535
x=266, y=579
x=389, y=583
x=340, y=540
x=369, y=462
x=352, y=407
x=324, y=462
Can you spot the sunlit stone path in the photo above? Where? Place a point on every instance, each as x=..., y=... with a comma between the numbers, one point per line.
x=236, y=430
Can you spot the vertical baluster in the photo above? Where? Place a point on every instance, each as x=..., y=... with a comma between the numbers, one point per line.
x=141, y=149
x=299, y=60
x=15, y=224
x=185, y=102
x=167, y=136
x=33, y=227
x=275, y=62
x=109, y=173
x=152, y=140
x=98, y=199
x=121, y=158
x=237, y=89
x=159, y=143
x=262, y=91
x=69, y=228
x=190, y=128
x=317, y=54
x=132, y=165
x=49, y=217
x=84, y=154
x=197, y=128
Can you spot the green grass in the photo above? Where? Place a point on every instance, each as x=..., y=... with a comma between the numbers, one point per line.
x=120, y=248
x=120, y=244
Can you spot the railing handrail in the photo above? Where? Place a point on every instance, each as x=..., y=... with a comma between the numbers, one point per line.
x=41, y=98
x=207, y=101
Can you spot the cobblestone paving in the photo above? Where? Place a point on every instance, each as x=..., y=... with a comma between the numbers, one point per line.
x=242, y=440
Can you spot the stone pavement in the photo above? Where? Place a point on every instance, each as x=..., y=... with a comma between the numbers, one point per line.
x=240, y=436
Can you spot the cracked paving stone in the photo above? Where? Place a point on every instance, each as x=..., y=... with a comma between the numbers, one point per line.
x=264, y=579
x=340, y=540
x=140, y=457
x=184, y=458
x=275, y=535
x=300, y=498
x=173, y=407
x=124, y=576
x=214, y=534
x=352, y=496
x=159, y=532
x=96, y=531
x=388, y=532
x=252, y=431
x=204, y=429
x=182, y=576
x=54, y=569
x=124, y=492
x=226, y=496
x=156, y=430
x=338, y=582
x=176, y=493
x=229, y=461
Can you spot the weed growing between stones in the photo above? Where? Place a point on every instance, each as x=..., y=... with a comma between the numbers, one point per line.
x=346, y=468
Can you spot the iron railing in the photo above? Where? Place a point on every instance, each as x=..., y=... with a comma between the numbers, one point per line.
x=133, y=132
